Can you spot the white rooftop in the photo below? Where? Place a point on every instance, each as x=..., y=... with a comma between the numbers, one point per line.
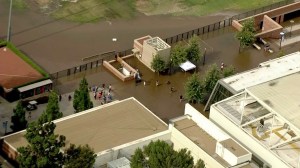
x=280, y=96
x=157, y=43
x=187, y=65
x=266, y=71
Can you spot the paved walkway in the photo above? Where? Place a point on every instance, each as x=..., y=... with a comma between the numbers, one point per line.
x=65, y=105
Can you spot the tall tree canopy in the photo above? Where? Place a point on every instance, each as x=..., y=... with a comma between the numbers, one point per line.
x=52, y=110
x=158, y=64
x=19, y=118
x=79, y=157
x=82, y=99
x=178, y=54
x=199, y=89
x=194, y=89
x=161, y=154
x=193, y=51
x=247, y=35
x=43, y=149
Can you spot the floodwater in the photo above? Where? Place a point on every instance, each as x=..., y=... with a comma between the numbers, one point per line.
x=53, y=43
x=57, y=45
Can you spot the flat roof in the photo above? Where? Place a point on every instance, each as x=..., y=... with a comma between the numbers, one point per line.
x=157, y=43
x=280, y=96
x=14, y=71
x=234, y=147
x=266, y=71
x=34, y=85
x=104, y=127
x=200, y=137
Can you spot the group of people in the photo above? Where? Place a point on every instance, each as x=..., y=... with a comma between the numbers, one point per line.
x=102, y=94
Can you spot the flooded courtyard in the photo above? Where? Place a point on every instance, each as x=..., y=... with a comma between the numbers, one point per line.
x=56, y=45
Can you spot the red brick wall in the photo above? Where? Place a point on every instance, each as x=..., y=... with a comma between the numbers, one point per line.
x=275, y=13
x=8, y=151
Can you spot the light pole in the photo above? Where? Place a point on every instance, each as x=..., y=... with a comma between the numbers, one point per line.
x=204, y=57
x=292, y=22
x=281, y=38
x=9, y=21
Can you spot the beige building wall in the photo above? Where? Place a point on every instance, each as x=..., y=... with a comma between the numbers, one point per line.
x=181, y=141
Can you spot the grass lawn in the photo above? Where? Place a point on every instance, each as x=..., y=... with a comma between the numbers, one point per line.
x=95, y=10
x=19, y=4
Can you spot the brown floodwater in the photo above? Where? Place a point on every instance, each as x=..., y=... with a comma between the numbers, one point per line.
x=58, y=44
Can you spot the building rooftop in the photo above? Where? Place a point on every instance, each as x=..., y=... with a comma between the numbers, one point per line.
x=280, y=96
x=275, y=104
x=206, y=142
x=14, y=71
x=157, y=43
x=266, y=71
x=233, y=147
x=104, y=127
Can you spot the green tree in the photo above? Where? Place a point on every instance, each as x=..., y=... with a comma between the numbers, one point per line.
x=194, y=89
x=82, y=99
x=228, y=71
x=211, y=77
x=43, y=149
x=193, y=50
x=19, y=118
x=52, y=110
x=247, y=35
x=248, y=25
x=200, y=164
x=158, y=64
x=138, y=160
x=79, y=157
x=161, y=154
x=178, y=54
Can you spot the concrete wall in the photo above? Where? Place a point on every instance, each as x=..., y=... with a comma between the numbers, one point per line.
x=205, y=124
x=270, y=29
x=278, y=14
x=128, y=149
x=181, y=141
x=243, y=138
x=117, y=73
x=165, y=54
x=147, y=55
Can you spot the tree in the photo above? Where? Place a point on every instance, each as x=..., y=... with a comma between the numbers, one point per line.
x=211, y=77
x=161, y=154
x=79, y=157
x=44, y=147
x=246, y=36
x=19, y=118
x=248, y=25
x=178, y=54
x=193, y=51
x=228, y=71
x=82, y=99
x=138, y=159
x=52, y=110
x=158, y=64
x=200, y=164
x=194, y=89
